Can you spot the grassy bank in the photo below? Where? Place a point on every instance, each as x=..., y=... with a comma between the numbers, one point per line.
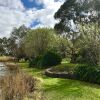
x=64, y=89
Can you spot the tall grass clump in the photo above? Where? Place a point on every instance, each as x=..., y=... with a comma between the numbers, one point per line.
x=18, y=86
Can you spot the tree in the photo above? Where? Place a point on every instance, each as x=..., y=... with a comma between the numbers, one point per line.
x=11, y=47
x=19, y=33
x=78, y=12
x=16, y=44
x=62, y=46
x=90, y=45
x=2, y=50
x=73, y=17
x=38, y=41
x=4, y=46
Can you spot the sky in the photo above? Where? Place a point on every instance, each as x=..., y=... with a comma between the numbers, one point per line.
x=31, y=13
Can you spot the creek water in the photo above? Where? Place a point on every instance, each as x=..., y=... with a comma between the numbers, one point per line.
x=3, y=69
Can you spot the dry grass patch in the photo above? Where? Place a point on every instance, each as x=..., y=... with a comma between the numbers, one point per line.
x=18, y=86
x=6, y=59
x=12, y=66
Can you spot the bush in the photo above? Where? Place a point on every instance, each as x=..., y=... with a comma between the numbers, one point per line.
x=31, y=62
x=35, y=61
x=87, y=73
x=51, y=59
x=47, y=60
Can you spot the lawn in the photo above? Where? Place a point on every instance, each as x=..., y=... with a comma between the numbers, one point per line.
x=63, y=89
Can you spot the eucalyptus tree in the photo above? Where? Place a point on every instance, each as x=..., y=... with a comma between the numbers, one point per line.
x=16, y=41
x=74, y=16
x=2, y=50
x=4, y=46
x=77, y=12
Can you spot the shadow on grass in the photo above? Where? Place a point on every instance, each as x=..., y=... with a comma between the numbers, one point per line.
x=71, y=88
x=65, y=87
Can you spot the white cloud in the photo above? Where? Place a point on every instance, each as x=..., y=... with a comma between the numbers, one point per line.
x=12, y=4
x=46, y=15
x=14, y=14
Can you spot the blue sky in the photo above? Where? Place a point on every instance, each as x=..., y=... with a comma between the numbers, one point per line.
x=31, y=13
x=34, y=23
x=31, y=4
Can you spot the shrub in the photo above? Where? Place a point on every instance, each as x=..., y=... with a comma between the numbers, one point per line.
x=35, y=61
x=50, y=59
x=47, y=60
x=31, y=62
x=87, y=73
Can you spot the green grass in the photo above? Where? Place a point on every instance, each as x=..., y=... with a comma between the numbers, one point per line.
x=64, y=89
x=64, y=67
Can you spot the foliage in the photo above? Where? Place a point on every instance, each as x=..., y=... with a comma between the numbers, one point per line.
x=76, y=19
x=51, y=59
x=16, y=45
x=4, y=46
x=79, y=11
x=90, y=45
x=13, y=46
x=88, y=73
x=38, y=41
x=35, y=62
x=19, y=33
x=89, y=55
x=46, y=60
x=62, y=47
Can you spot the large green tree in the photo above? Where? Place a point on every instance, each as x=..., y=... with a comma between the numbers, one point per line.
x=38, y=41
x=74, y=16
